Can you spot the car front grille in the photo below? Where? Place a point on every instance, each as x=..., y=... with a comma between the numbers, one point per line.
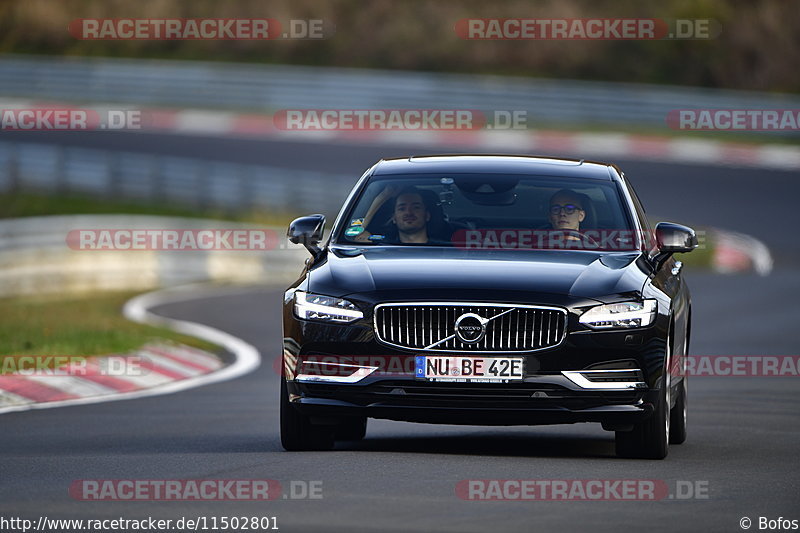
x=425, y=326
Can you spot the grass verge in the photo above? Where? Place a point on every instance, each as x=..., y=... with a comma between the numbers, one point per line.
x=76, y=326
x=29, y=204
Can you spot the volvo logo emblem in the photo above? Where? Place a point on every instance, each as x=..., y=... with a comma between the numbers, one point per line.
x=470, y=328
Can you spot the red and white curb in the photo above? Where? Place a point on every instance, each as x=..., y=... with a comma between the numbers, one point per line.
x=150, y=366
x=737, y=252
x=603, y=145
x=165, y=368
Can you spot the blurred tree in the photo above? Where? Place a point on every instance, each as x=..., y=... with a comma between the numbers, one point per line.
x=758, y=48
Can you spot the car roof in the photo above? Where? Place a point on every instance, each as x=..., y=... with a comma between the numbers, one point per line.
x=492, y=164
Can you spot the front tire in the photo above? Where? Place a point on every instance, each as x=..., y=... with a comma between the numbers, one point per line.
x=649, y=439
x=680, y=412
x=677, y=430
x=297, y=432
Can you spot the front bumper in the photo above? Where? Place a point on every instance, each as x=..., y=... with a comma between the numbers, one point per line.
x=534, y=401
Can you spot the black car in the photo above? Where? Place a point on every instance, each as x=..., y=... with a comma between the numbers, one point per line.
x=488, y=290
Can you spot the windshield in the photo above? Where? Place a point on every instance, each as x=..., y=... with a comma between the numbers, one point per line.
x=492, y=211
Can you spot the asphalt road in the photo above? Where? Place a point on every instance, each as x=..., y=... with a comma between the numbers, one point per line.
x=741, y=449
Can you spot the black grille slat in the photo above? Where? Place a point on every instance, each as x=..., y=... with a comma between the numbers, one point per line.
x=520, y=329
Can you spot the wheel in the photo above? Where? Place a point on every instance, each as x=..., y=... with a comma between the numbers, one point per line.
x=677, y=430
x=297, y=431
x=354, y=428
x=680, y=412
x=650, y=438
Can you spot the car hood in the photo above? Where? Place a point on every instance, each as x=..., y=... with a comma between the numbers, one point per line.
x=596, y=275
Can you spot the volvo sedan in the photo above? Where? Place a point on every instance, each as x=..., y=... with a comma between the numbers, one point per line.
x=488, y=290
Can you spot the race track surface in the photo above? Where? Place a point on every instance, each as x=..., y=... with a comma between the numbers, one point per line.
x=743, y=431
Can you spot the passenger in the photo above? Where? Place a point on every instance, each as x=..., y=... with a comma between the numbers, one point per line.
x=566, y=210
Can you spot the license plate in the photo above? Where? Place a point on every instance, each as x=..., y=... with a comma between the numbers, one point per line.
x=468, y=369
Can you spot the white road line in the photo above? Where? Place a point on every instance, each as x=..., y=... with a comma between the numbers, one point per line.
x=246, y=356
x=10, y=399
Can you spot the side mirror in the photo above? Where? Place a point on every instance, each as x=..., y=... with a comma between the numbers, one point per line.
x=308, y=232
x=673, y=238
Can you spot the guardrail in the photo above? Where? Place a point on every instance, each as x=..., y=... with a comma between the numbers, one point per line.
x=35, y=257
x=269, y=88
x=190, y=182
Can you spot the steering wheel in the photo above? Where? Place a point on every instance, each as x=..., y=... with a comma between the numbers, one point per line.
x=583, y=237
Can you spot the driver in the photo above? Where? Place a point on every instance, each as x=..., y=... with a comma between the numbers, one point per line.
x=410, y=216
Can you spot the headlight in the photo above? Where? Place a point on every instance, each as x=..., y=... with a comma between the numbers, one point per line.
x=327, y=308
x=621, y=315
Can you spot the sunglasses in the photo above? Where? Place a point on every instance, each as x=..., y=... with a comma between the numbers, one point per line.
x=569, y=209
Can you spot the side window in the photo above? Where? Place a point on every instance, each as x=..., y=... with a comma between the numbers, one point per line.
x=649, y=236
